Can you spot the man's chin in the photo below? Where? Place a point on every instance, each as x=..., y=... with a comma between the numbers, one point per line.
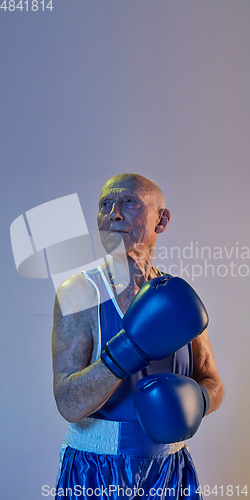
x=113, y=242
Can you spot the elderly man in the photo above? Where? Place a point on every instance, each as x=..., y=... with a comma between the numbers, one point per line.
x=106, y=454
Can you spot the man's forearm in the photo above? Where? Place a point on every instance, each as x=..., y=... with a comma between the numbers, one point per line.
x=215, y=391
x=84, y=392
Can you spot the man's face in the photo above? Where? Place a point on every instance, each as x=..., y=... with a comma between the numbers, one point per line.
x=126, y=211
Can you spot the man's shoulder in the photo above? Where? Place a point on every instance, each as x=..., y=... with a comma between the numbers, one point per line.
x=76, y=294
x=76, y=282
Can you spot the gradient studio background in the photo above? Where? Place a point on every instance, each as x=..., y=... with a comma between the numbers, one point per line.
x=96, y=88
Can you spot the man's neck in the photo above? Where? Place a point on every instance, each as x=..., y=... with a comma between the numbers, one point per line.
x=128, y=272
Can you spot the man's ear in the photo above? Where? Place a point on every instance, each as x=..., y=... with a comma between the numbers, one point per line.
x=165, y=217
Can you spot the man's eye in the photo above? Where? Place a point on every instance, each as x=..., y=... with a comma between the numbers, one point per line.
x=129, y=200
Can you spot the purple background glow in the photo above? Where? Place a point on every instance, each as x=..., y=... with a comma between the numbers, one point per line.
x=93, y=89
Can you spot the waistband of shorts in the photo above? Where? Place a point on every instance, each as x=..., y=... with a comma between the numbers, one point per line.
x=115, y=438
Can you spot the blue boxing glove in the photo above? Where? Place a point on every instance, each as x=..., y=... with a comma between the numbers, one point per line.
x=164, y=316
x=170, y=407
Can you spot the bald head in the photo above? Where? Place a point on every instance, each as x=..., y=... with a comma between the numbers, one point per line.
x=133, y=206
x=136, y=181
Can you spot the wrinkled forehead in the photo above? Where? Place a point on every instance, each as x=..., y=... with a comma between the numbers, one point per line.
x=125, y=187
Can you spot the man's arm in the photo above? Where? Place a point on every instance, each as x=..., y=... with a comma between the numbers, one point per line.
x=205, y=370
x=80, y=388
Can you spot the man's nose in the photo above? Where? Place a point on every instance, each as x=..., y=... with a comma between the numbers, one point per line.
x=116, y=213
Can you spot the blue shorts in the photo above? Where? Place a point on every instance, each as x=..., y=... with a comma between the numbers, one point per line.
x=103, y=460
